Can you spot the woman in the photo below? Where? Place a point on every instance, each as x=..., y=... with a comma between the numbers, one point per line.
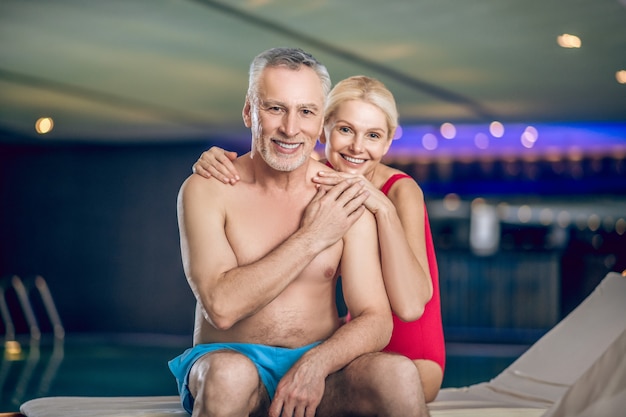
x=360, y=122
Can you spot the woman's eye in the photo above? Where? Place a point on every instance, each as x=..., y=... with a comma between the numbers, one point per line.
x=344, y=129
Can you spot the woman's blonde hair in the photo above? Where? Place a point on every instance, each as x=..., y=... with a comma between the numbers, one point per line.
x=369, y=90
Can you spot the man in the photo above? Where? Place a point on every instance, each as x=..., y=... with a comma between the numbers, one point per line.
x=262, y=260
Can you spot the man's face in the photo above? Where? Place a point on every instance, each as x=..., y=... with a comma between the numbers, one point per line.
x=287, y=117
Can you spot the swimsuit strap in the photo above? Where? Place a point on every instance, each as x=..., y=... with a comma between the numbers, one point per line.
x=391, y=181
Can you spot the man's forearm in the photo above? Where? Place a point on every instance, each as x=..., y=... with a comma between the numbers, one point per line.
x=364, y=334
x=244, y=290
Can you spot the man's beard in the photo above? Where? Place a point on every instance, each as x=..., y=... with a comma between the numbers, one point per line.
x=284, y=163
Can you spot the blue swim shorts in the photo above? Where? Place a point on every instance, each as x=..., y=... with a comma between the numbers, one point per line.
x=271, y=362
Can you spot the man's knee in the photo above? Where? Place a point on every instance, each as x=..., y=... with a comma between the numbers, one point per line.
x=224, y=380
x=391, y=383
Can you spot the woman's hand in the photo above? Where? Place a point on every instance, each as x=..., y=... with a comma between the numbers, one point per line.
x=217, y=162
x=377, y=201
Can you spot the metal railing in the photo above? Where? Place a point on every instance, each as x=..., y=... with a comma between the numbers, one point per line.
x=16, y=306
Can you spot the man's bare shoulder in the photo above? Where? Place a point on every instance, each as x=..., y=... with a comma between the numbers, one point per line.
x=316, y=166
x=196, y=184
x=203, y=191
x=366, y=223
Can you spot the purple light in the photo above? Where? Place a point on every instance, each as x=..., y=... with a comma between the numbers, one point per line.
x=518, y=140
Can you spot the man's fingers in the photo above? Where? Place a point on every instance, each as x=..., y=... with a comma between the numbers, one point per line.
x=354, y=216
x=356, y=201
x=321, y=192
x=352, y=192
x=275, y=408
x=310, y=412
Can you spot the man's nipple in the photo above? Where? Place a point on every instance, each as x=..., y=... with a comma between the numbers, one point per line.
x=329, y=273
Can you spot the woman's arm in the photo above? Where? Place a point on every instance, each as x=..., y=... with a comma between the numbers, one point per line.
x=401, y=236
x=402, y=242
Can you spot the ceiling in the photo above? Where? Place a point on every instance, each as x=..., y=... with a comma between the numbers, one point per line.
x=165, y=70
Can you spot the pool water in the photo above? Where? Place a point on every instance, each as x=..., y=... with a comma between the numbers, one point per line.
x=136, y=365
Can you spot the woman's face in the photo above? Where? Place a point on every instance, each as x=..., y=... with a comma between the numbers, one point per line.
x=356, y=137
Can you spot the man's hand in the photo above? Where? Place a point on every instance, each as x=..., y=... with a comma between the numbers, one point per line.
x=217, y=162
x=332, y=211
x=300, y=391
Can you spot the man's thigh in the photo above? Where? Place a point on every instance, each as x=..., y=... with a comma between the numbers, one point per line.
x=345, y=391
x=373, y=384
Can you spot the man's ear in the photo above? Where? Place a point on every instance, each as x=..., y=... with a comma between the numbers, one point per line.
x=245, y=114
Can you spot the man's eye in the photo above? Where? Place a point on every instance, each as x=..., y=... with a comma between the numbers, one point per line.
x=273, y=109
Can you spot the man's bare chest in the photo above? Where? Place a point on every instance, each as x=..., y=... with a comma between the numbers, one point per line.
x=258, y=225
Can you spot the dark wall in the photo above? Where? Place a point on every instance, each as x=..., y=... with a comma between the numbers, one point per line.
x=99, y=224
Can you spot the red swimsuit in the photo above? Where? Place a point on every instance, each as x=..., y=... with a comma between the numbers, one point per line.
x=423, y=338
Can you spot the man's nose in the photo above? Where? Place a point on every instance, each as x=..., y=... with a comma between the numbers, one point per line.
x=290, y=125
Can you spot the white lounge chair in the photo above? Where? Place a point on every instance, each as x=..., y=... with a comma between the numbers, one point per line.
x=576, y=369
x=540, y=377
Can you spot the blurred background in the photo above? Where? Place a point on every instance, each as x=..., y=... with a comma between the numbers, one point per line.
x=513, y=121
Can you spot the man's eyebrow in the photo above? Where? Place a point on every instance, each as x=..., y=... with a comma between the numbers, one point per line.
x=270, y=103
x=309, y=106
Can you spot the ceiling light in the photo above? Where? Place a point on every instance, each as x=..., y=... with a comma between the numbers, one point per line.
x=621, y=76
x=448, y=130
x=429, y=141
x=481, y=141
x=44, y=125
x=496, y=129
x=568, y=41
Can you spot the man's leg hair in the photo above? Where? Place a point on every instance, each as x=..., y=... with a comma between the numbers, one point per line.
x=376, y=384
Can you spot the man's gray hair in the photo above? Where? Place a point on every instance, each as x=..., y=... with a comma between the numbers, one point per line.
x=292, y=58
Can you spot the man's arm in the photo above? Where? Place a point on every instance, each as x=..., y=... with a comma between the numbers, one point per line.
x=229, y=292
x=369, y=330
